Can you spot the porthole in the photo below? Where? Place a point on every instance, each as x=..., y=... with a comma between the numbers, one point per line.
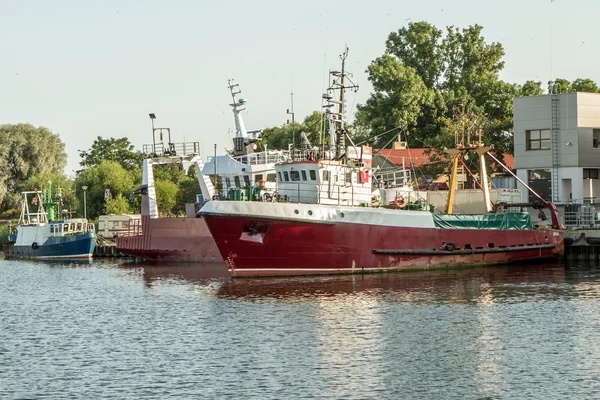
x=309, y=212
x=342, y=214
x=296, y=212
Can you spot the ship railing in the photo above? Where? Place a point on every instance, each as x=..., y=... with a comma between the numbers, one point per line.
x=134, y=228
x=264, y=157
x=171, y=149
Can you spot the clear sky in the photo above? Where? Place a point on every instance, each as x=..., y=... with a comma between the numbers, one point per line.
x=97, y=68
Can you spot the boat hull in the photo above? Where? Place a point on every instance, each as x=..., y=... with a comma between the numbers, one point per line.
x=75, y=246
x=171, y=239
x=262, y=245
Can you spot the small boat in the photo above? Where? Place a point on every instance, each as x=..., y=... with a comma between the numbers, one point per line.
x=330, y=226
x=39, y=235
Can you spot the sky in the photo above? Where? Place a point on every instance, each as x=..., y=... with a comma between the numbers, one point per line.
x=85, y=69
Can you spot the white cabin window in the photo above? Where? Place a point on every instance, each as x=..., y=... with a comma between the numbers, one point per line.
x=258, y=177
x=228, y=182
x=295, y=176
x=247, y=180
x=79, y=226
x=304, y=175
x=237, y=181
x=51, y=228
x=72, y=227
x=66, y=228
x=348, y=178
x=280, y=178
x=271, y=178
x=313, y=175
x=286, y=176
x=325, y=176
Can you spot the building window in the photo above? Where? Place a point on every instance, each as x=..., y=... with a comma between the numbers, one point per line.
x=540, y=181
x=313, y=175
x=539, y=139
x=596, y=138
x=271, y=177
x=590, y=173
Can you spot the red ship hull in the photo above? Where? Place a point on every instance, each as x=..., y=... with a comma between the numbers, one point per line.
x=171, y=239
x=260, y=245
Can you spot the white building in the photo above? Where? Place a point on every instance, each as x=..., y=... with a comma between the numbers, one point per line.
x=557, y=146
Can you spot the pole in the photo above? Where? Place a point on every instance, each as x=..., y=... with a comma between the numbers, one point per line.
x=153, y=140
x=84, y=201
x=215, y=167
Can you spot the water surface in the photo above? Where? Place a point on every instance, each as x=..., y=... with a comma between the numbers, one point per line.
x=103, y=330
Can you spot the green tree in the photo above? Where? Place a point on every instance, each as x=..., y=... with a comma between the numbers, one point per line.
x=559, y=85
x=117, y=150
x=117, y=205
x=166, y=197
x=531, y=88
x=106, y=175
x=584, y=85
x=26, y=151
x=425, y=79
x=281, y=136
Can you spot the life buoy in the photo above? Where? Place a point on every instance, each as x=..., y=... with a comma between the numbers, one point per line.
x=34, y=245
x=398, y=201
x=450, y=246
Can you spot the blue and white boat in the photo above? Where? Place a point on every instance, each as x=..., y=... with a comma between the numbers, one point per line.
x=40, y=235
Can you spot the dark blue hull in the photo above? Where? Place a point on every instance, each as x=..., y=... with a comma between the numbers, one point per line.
x=76, y=246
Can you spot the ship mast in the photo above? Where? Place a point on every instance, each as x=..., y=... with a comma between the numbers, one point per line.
x=338, y=82
x=242, y=142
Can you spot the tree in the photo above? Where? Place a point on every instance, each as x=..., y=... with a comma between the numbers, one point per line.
x=166, y=197
x=117, y=205
x=117, y=150
x=531, y=88
x=425, y=79
x=106, y=175
x=26, y=151
x=585, y=85
x=280, y=137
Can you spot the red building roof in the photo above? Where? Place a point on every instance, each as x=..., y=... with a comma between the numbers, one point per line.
x=419, y=157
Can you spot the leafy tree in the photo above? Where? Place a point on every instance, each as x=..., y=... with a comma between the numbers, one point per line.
x=166, y=197
x=26, y=151
x=584, y=85
x=280, y=137
x=117, y=150
x=531, y=88
x=117, y=205
x=106, y=175
x=425, y=79
x=559, y=85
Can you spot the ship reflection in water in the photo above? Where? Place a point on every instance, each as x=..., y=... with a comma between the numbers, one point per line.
x=437, y=286
x=500, y=283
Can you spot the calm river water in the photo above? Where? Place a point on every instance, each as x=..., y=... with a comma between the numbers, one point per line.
x=103, y=330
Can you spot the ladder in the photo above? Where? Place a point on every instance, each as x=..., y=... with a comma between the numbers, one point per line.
x=555, y=146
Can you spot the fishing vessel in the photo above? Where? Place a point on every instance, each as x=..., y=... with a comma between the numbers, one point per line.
x=40, y=235
x=188, y=239
x=329, y=225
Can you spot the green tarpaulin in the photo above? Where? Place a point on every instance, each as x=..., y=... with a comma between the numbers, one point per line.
x=515, y=221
